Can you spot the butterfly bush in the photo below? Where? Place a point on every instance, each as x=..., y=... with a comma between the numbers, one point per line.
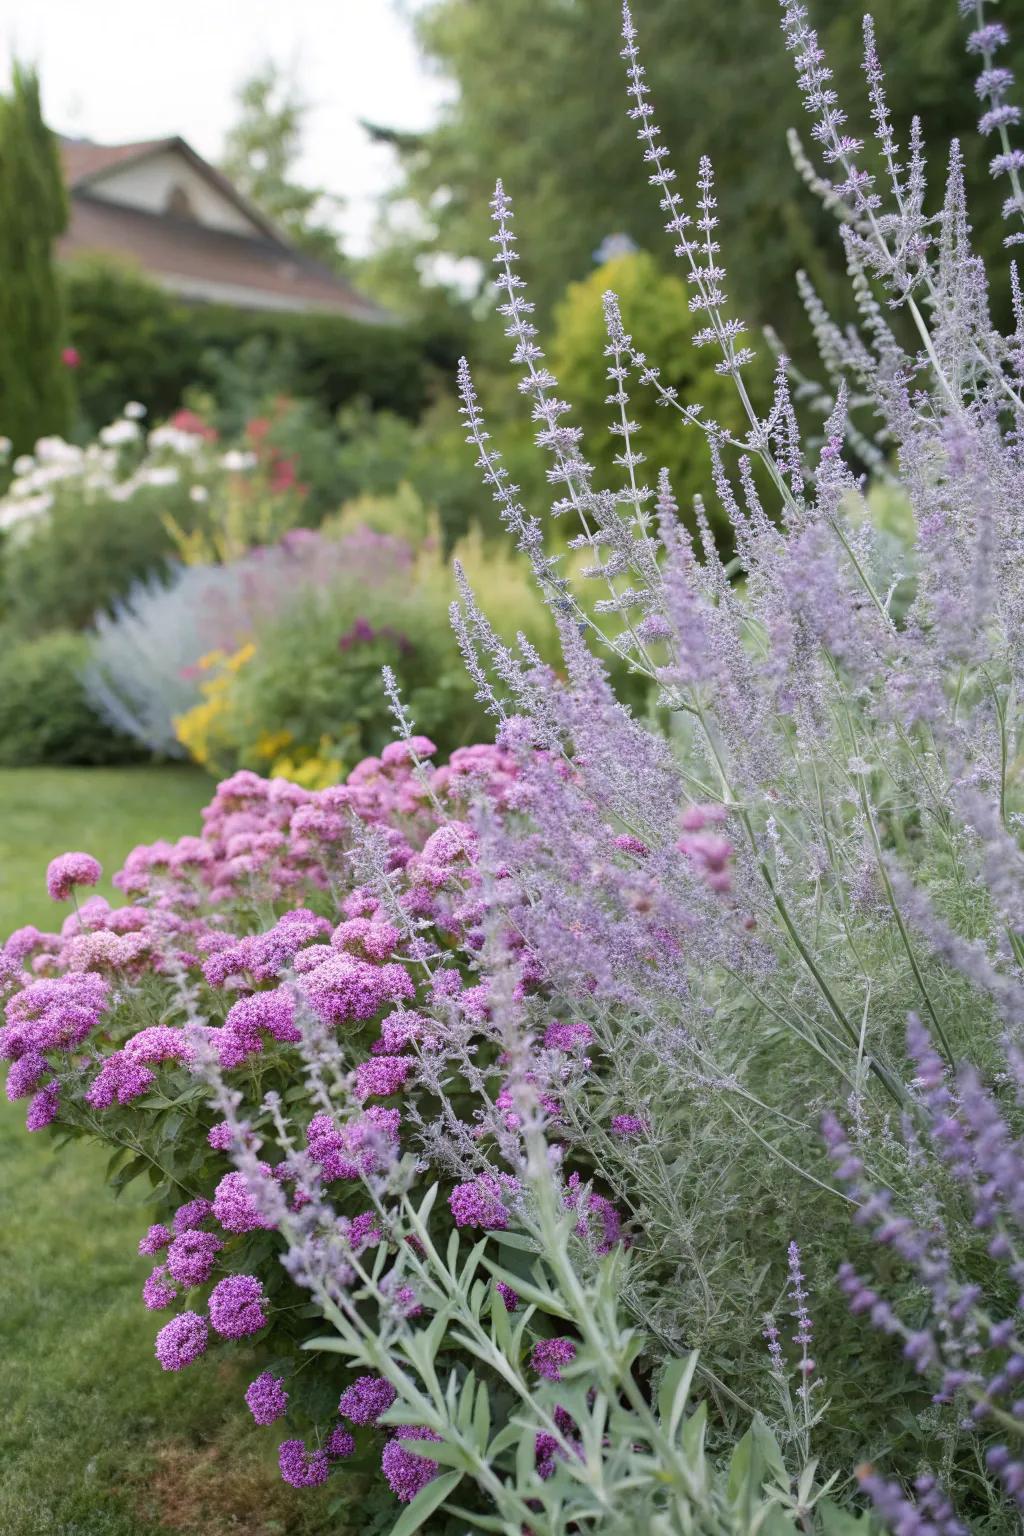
x=623, y=1119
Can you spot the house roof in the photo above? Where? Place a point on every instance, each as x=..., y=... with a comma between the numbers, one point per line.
x=197, y=260
x=86, y=163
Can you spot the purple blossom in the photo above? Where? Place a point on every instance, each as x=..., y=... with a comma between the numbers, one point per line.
x=567, y=1037
x=181, y=1341
x=406, y=1471
x=550, y=1355
x=266, y=1398
x=479, y=1204
x=192, y=1214
x=366, y=1399
x=156, y=1238
x=68, y=870
x=234, y=1206
x=53, y=1013
x=301, y=1468
x=26, y=1074
x=157, y=1291
x=43, y=1108
x=382, y=1075
x=272, y=1011
x=237, y=1306
x=192, y=1256
x=508, y=1296
x=120, y=1080
x=362, y=1146
x=629, y=1125
x=346, y=989
x=340, y=1444
x=263, y=956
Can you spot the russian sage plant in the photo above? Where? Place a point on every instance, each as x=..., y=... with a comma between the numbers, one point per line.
x=612, y=1065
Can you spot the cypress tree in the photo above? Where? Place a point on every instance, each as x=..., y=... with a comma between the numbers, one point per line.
x=35, y=387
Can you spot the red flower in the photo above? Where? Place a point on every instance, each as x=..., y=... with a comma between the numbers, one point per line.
x=189, y=421
x=71, y=357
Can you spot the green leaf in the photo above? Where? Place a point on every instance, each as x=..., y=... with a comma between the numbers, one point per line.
x=836, y=1521
x=514, y=1240
x=743, y=1474
x=674, y=1391
x=768, y=1449
x=333, y=1345
x=693, y=1432
x=527, y=1291
x=424, y=1504
x=510, y=1435
x=482, y=1417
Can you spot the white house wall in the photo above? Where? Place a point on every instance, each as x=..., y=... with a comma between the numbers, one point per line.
x=149, y=183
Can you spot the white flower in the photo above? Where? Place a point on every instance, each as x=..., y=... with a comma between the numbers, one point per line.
x=235, y=459
x=134, y=410
x=119, y=432
x=174, y=438
x=54, y=450
x=15, y=512
x=24, y=463
x=199, y=493
x=5, y=446
x=159, y=474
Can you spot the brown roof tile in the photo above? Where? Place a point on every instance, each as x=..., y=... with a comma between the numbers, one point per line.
x=173, y=248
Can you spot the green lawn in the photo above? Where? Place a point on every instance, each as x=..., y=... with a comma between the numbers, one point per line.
x=96, y=1440
x=103, y=811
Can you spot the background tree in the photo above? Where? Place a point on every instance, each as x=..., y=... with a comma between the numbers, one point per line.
x=259, y=156
x=541, y=103
x=35, y=385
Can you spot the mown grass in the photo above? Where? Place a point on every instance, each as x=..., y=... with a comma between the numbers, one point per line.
x=96, y=1440
x=105, y=811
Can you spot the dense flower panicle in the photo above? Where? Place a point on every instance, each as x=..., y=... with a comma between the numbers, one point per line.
x=567, y=1037
x=192, y=1214
x=157, y=1044
x=234, y=1206
x=120, y=1080
x=263, y=956
x=366, y=1399
x=237, y=1306
x=629, y=1125
x=68, y=870
x=479, y=1204
x=26, y=1074
x=43, y=1108
x=155, y=1239
x=301, y=1468
x=157, y=1290
x=191, y=1257
x=266, y=1398
x=53, y=1014
x=181, y=1341
x=406, y=1471
x=361, y=1147
x=382, y=1076
x=340, y=1444
x=550, y=1355
x=508, y=1296
x=347, y=989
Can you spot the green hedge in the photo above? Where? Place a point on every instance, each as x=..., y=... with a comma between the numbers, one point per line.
x=138, y=342
x=45, y=716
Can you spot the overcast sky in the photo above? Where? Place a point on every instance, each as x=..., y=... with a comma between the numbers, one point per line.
x=117, y=70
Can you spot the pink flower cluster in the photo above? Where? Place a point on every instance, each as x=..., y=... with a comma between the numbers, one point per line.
x=267, y=844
